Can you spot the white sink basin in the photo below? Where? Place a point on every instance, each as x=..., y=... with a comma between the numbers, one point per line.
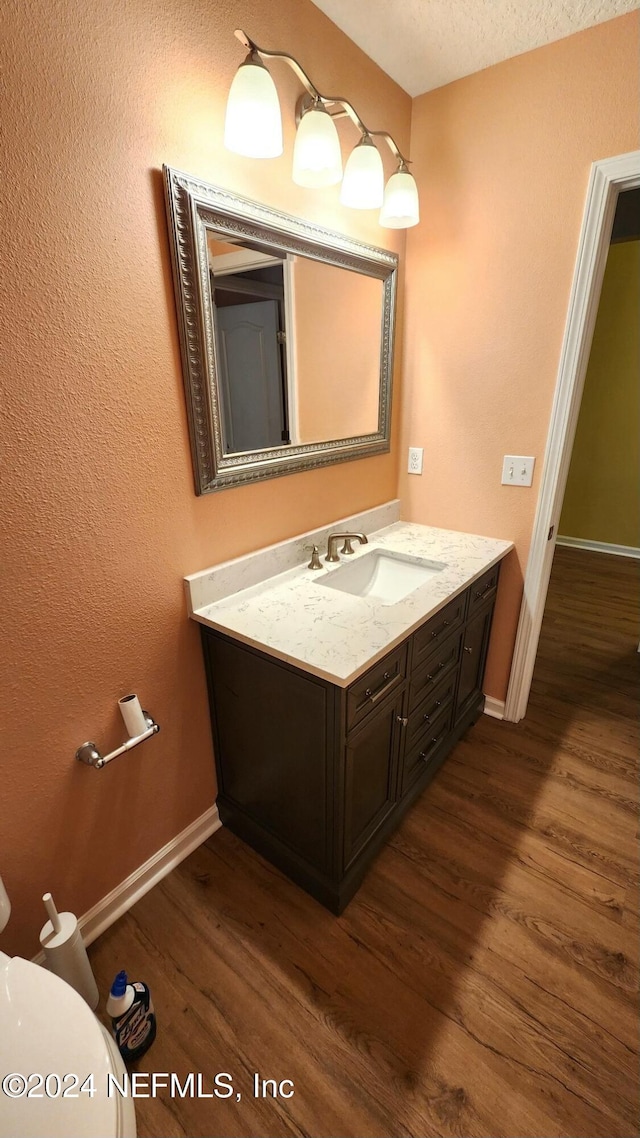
x=383, y=574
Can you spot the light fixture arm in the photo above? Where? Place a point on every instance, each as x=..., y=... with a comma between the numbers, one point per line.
x=313, y=96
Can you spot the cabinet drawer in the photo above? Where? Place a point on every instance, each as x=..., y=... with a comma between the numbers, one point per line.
x=430, y=708
x=423, y=749
x=439, y=665
x=440, y=626
x=484, y=588
x=367, y=692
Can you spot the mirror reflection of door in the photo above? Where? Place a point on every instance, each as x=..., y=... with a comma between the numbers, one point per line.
x=249, y=321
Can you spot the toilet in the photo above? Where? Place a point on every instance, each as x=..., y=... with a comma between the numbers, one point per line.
x=48, y=1029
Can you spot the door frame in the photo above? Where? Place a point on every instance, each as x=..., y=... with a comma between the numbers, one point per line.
x=238, y=262
x=608, y=178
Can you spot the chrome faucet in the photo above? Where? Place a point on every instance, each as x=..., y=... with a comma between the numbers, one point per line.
x=334, y=538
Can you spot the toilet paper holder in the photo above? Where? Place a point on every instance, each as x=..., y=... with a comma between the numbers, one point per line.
x=88, y=753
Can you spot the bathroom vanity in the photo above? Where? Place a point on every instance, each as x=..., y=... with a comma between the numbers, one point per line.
x=332, y=711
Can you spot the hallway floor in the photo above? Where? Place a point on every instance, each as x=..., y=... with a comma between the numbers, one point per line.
x=482, y=982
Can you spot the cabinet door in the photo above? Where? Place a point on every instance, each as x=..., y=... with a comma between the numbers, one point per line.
x=371, y=756
x=475, y=640
x=271, y=731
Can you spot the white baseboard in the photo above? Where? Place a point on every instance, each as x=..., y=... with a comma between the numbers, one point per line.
x=494, y=707
x=119, y=900
x=599, y=546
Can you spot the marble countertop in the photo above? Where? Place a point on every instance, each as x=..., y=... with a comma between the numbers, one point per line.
x=333, y=634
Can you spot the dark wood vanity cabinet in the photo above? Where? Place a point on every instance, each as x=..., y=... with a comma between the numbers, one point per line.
x=315, y=777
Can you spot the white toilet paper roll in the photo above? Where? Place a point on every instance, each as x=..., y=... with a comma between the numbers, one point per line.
x=66, y=955
x=132, y=714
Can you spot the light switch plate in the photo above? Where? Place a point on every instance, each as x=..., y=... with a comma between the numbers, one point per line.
x=517, y=470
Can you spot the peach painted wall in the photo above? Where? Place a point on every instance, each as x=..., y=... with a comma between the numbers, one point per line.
x=99, y=517
x=502, y=159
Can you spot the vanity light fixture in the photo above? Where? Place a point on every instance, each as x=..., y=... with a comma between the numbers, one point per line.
x=317, y=159
x=400, y=208
x=253, y=123
x=363, y=182
x=253, y=128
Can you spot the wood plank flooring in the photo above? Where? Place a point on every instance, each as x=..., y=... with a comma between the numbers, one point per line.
x=483, y=982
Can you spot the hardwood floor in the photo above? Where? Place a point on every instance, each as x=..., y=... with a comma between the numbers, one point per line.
x=483, y=980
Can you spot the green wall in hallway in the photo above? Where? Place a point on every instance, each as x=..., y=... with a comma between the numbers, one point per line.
x=602, y=499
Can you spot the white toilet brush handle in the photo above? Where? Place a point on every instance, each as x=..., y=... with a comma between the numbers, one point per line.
x=52, y=912
x=65, y=953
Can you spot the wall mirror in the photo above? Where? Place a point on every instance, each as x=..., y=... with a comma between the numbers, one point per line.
x=286, y=335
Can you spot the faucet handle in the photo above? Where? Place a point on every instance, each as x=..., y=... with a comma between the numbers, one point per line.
x=347, y=547
x=315, y=562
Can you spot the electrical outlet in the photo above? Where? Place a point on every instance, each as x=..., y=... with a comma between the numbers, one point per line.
x=415, y=460
x=517, y=470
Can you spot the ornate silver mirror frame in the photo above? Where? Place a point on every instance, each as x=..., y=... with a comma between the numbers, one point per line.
x=195, y=207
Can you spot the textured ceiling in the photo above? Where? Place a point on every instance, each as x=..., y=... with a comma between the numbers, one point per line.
x=424, y=44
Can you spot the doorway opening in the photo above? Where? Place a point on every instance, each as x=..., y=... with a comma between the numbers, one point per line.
x=601, y=505
x=251, y=344
x=608, y=180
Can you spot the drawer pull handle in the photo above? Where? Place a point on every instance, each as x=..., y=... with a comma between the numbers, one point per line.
x=389, y=681
x=469, y=650
x=402, y=720
x=481, y=592
x=428, y=715
x=435, y=635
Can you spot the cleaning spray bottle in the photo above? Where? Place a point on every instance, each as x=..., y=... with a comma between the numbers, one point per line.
x=134, y=1023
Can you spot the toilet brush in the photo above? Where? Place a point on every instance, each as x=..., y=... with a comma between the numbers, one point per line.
x=65, y=953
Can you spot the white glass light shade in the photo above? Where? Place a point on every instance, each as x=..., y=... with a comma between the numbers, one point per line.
x=363, y=182
x=400, y=208
x=253, y=123
x=317, y=160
